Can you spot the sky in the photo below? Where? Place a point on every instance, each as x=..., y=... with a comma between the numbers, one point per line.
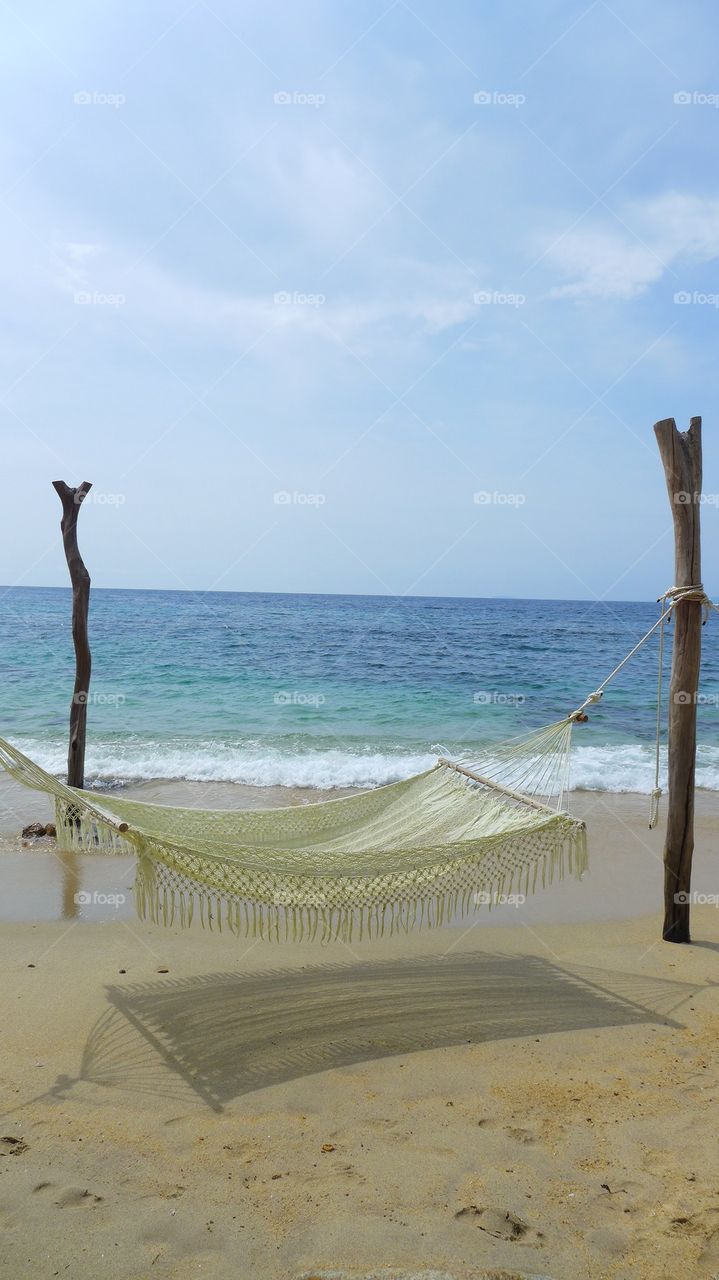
x=377, y=297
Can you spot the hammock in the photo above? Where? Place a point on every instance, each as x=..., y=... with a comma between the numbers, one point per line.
x=415, y=852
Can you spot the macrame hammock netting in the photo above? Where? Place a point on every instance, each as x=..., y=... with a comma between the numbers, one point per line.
x=416, y=852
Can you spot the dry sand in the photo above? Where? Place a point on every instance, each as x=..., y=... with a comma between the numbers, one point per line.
x=532, y=1098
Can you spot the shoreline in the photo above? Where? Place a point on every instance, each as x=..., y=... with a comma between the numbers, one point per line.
x=15, y=799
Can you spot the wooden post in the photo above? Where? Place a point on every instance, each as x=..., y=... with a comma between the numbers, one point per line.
x=681, y=455
x=72, y=500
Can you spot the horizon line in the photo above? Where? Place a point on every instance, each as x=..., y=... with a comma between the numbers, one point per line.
x=341, y=595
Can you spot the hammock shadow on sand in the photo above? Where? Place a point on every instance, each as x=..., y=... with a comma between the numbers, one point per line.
x=227, y=1034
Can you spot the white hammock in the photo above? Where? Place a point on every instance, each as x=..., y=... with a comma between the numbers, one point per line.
x=414, y=852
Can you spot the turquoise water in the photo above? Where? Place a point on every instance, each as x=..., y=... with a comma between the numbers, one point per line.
x=331, y=690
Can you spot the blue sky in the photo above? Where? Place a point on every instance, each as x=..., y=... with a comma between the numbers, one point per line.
x=374, y=297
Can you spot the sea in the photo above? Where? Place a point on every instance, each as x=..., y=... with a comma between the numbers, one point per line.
x=333, y=691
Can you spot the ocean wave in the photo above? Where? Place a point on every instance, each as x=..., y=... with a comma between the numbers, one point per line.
x=617, y=767
x=630, y=767
x=219, y=762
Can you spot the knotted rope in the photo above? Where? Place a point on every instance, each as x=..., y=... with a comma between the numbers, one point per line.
x=668, y=602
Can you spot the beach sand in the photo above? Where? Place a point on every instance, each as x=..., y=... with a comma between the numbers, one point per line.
x=529, y=1093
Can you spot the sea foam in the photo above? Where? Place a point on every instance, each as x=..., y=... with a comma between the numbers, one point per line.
x=610, y=767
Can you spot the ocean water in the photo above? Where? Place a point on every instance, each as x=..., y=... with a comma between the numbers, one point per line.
x=332, y=691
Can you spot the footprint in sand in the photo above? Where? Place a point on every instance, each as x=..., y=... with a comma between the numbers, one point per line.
x=500, y=1223
x=393, y=1129
x=521, y=1135
x=13, y=1146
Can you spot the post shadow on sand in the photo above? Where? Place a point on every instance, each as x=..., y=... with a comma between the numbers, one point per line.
x=227, y=1034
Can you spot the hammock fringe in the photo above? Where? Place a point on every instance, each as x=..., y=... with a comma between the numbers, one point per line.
x=302, y=921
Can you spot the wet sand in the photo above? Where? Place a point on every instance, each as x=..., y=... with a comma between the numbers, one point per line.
x=515, y=1096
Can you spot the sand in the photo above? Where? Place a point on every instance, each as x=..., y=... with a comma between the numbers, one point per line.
x=519, y=1095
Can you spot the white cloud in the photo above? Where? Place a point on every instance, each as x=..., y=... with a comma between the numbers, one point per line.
x=79, y=252
x=685, y=226
x=176, y=303
x=322, y=191
x=414, y=303
x=71, y=261
x=606, y=263
x=604, y=266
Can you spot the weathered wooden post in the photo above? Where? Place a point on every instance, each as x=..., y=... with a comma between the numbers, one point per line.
x=72, y=500
x=681, y=455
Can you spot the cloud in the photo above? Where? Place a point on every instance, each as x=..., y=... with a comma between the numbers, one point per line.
x=71, y=261
x=323, y=194
x=178, y=304
x=685, y=226
x=415, y=302
x=604, y=266
x=79, y=252
x=607, y=263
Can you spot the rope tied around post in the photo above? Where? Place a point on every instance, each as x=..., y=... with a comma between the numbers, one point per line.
x=668, y=602
x=675, y=596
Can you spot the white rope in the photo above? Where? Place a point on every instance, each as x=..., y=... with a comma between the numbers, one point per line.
x=599, y=691
x=657, y=791
x=674, y=595
x=536, y=765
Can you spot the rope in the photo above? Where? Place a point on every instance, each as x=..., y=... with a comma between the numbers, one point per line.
x=657, y=791
x=674, y=596
x=677, y=594
x=599, y=691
